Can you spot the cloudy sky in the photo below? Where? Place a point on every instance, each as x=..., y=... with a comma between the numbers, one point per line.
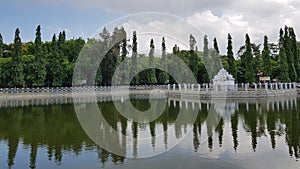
x=216, y=18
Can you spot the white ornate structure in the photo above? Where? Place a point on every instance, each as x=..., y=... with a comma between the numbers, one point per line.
x=223, y=81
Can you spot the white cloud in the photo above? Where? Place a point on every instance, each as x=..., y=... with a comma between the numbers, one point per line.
x=216, y=18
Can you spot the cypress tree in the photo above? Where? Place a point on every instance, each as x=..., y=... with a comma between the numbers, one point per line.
x=216, y=45
x=175, y=49
x=60, y=43
x=123, y=44
x=151, y=73
x=289, y=55
x=294, y=50
x=135, y=80
x=207, y=63
x=284, y=70
x=230, y=58
x=56, y=64
x=163, y=77
x=247, y=59
x=16, y=72
x=193, y=64
x=205, y=48
x=112, y=56
x=104, y=43
x=266, y=58
x=216, y=58
x=1, y=46
x=39, y=68
x=124, y=76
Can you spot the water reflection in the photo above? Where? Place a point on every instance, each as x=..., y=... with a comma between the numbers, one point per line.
x=55, y=128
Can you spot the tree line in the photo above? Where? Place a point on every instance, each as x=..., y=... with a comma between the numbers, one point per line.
x=37, y=63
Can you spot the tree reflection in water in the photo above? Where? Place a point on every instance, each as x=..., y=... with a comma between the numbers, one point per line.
x=57, y=129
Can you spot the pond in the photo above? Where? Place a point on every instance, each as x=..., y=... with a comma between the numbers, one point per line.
x=250, y=134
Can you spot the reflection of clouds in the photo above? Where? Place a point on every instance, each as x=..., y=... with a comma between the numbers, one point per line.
x=225, y=110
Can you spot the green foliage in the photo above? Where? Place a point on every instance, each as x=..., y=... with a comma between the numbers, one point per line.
x=29, y=74
x=134, y=63
x=230, y=59
x=216, y=62
x=56, y=64
x=51, y=63
x=284, y=74
x=266, y=57
x=173, y=67
x=247, y=62
x=202, y=73
x=210, y=60
x=87, y=64
x=124, y=76
x=1, y=46
x=4, y=71
x=294, y=51
x=206, y=74
x=111, y=47
x=39, y=67
x=16, y=64
x=289, y=55
x=193, y=63
x=151, y=77
x=163, y=77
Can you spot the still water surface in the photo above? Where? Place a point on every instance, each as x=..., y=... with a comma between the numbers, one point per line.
x=251, y=134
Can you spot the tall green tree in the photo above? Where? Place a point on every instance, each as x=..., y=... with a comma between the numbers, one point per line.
x=193, y=63
x=216, y=47
x=112, y=56
x=294, y=50
x=56, y=64
x=163, y=77
x=289, y=55
x=39, y=68
x=266, y=57
x=134, y=63
x=283, y=64
x=217, y=65
x=124, y=52
x=104, y=43
x=175, y=49
x=247, y=62
x=205, y=49
x=230, y=58
x=206, y=63
x=16, y=72
x=284, y=73
x=1, y=46
x=61, y=41
x=151, y=77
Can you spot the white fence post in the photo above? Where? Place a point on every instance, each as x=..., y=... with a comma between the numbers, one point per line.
x=271, y=86
x=285, y=86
